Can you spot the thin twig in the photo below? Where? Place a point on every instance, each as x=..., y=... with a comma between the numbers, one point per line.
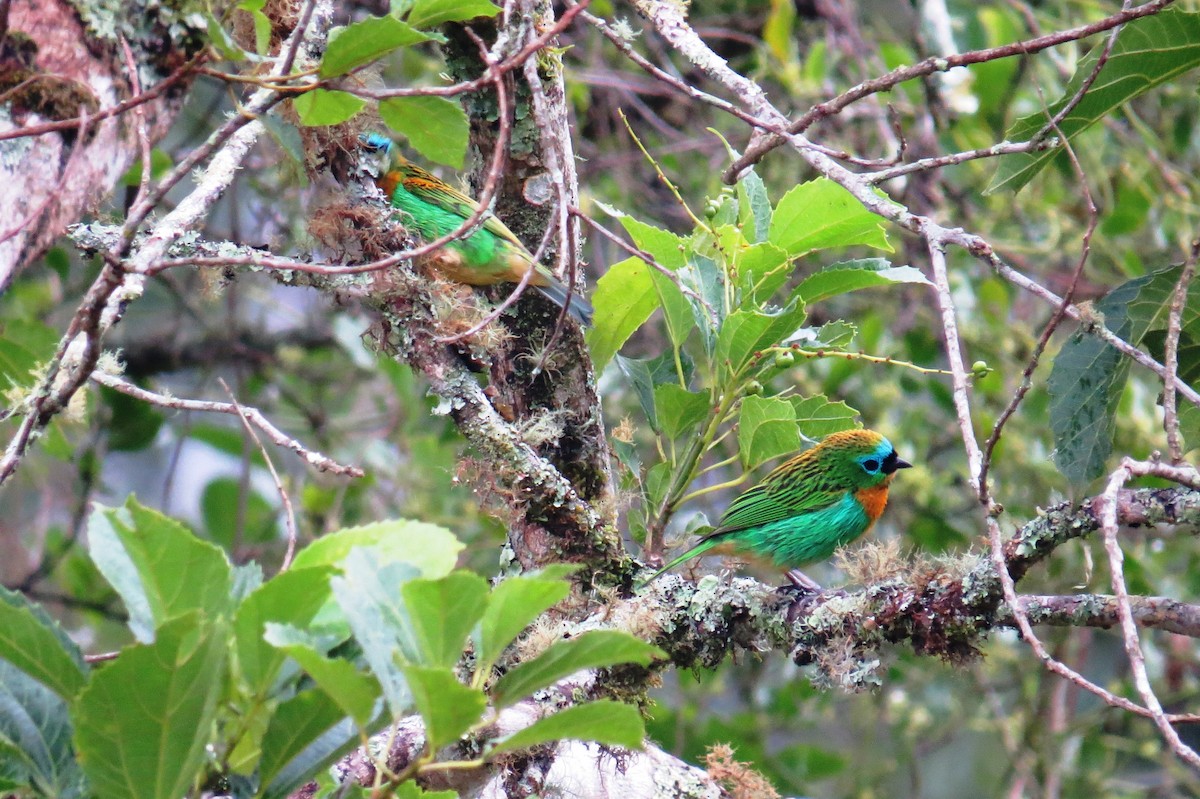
x=254, y=416
x=289, y=515
x=1171, y=353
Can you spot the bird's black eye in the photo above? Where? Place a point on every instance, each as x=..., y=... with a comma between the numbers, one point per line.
x=871, y=465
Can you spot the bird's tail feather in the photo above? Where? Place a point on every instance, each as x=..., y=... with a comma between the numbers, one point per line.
x=706, y=543
x=579, y=308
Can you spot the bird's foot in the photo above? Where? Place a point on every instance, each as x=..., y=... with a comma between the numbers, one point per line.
x=802, y=582
x=803, y=591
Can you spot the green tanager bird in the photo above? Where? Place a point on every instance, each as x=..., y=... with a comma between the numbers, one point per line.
x=810, y=505
x=490, y=254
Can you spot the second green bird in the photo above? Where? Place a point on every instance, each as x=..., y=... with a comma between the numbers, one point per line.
x=490, y=254
x=807, y=507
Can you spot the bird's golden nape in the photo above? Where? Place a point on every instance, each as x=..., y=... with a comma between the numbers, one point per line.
x=808, y=506
x=487, y=255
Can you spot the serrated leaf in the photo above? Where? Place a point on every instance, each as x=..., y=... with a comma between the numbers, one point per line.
x=707, y=280
x=436, y=127
x=369, y=596
x=817, y=417
x=835, y=335
x=158, y=567
x=326, y=107
x=1088, y=376
x=603, y=721
x=1148, y=52
x=307, y=732
x=35, y=737
x=821, y=214
x=762, y=268
x=754, y=206
x=662, y=245
x=591, y=650
x=33, y=643
x=442, y=613
x=447, y=706
x=144, y=720
x=646, y=375
x=354, y=692
x=429, y=13
x=293, y=597
x=847, y=276
x=512, y=606
x=365, y=41
x=679, y=409
x=623, y=300
x=429, y=548
x=766, y=429
x=747, y=332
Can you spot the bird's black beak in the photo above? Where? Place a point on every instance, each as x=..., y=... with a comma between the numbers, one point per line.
x=902, y=464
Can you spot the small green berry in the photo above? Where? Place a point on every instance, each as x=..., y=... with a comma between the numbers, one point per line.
x=980, y=369
x=753, y=388
x=784, y=359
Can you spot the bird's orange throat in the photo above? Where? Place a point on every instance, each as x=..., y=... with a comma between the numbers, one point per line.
x=873, y=499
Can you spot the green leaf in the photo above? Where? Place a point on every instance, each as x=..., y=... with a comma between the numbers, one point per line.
x=430, y=548
x=436, y=127
x=603, y=721
x=443, y=612
x=326, y=107
x=623, y=300
x=646, y=375
x=369, y=596
x=158, y=567
x=854, y=275
x=747, y=332
x=365, y=41
x=134, y=424
x=430, y=13
x=447, y=706
x=512, y=606
x=821, y=214
x=355, y=693
x=33, y=643
x=293, y=597
x=306, y=734
x=766, y=429
x=35, y=737
x=662, y=245
x=262, y=25
x=1088, y=376
x=679, y=409
x=817, y=417
x=754, y=206
x=221, y=40
x=222, y=507
x=144, y=720
x=1148, y=52
x=591, y=650
x=410, y=790
x=761, y=268
x=24, y=343
x=835, y=335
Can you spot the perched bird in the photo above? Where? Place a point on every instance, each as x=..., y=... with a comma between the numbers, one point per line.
x=810, y=505
x=490, y=254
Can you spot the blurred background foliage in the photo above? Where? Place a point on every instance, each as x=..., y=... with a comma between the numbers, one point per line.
x=1002, y=726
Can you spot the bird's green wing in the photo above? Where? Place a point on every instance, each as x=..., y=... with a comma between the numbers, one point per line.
x=443, y=195
x=801, y=485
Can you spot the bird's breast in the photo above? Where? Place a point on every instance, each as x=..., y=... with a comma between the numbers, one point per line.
x=873, y=500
